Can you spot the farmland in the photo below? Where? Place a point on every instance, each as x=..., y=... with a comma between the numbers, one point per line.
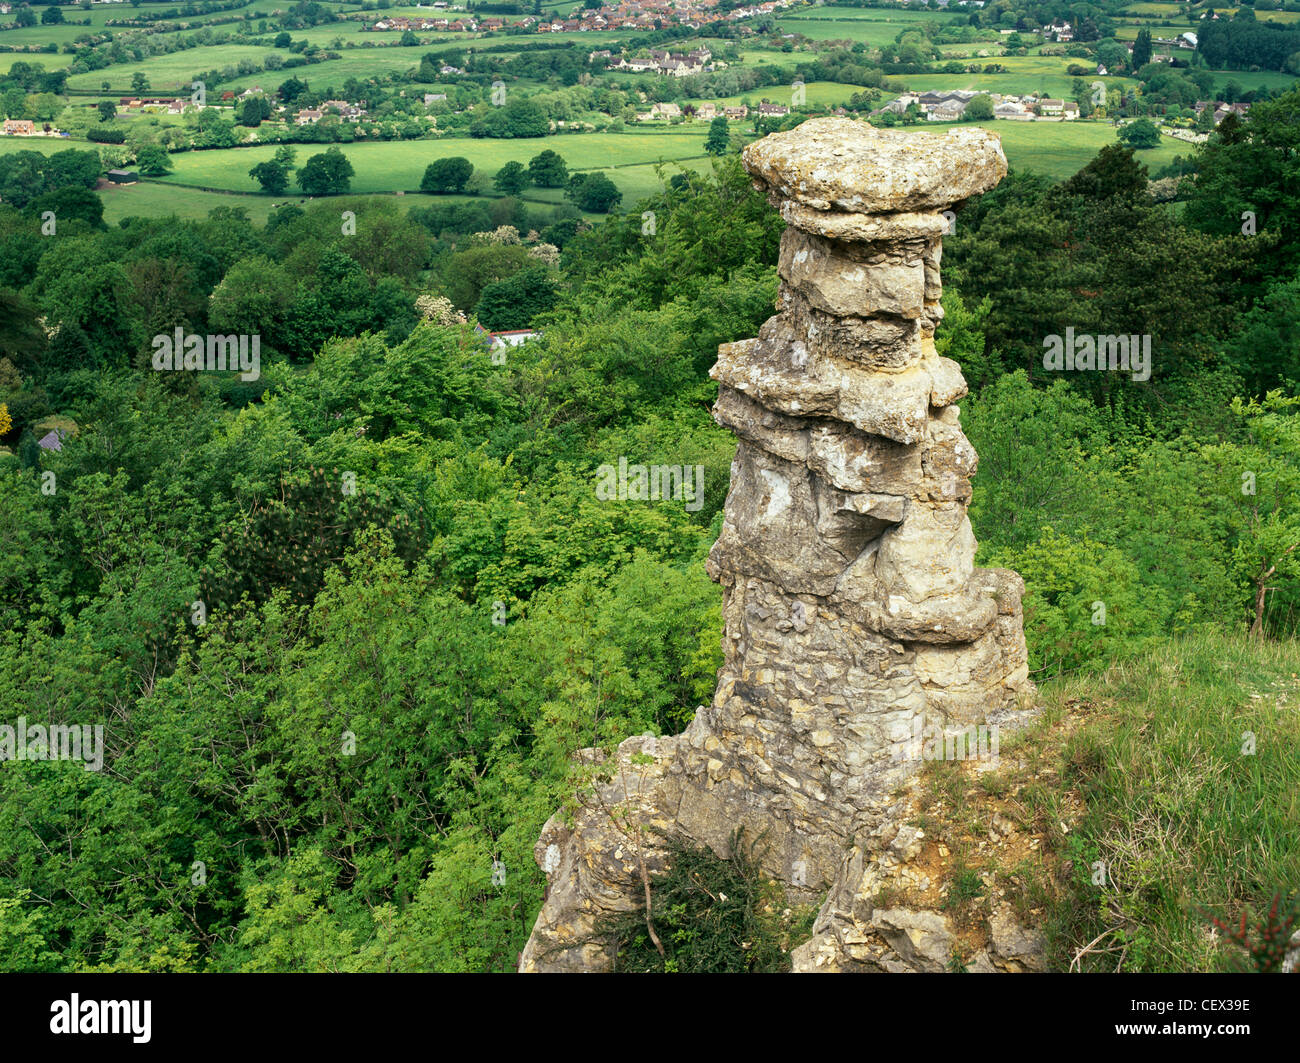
x=169, y=73
x=630, y=157
x=390, y=167
x=57, y=61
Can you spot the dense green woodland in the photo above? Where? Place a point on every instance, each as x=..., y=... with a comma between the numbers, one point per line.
x=321, y=776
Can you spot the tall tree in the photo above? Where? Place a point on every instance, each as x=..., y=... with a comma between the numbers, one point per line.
x=1142, y=49
x=511, y=179
x=329, y=173
x=548, y=170
x=719, y=140
x=271, y=176
x=447, y=175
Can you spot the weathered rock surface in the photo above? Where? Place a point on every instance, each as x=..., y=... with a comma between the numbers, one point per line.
x=851, y=605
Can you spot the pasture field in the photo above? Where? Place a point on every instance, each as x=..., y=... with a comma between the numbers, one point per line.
x=400, y=165
x=816, y=94
x=47, y=60
x=362, y=63
x=863, y=14
x=1253, y=79
x=1061, y=149
x=170, y=73
x=874, y=27
x=9, y=145
x=151, y=199
x=325, y=35
x=1262, y=16
x=963, y=51
x=1057, y=149
x=1058, y=85
x=67, y=32
x=1153, y=13
x=785, y=60
x=42, y=35
x=637, y=181
x=1152, y=9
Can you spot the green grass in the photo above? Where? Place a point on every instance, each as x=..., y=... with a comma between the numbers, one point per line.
x=156, y=199
x=168, y=73
x=816, y=93
x=1018, y=83
x=874, y=27
x=783, y=60
x=1159, y=11
x=1248, y=79
x=150, y=199
x=44, y=59
x=360, y=63
x=1182, y=818
x=8, y=145
x=388, y=167
x=1059, y=149
x=864, y=14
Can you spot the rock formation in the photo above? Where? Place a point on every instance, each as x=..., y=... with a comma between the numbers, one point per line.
x=853, y=611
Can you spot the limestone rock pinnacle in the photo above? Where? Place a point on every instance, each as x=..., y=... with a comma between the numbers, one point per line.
x=853, y=611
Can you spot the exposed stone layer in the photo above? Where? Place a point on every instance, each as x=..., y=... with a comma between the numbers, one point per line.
x=852, y=608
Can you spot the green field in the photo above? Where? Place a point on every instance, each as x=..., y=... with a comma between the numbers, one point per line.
x=1155, y=10
x=784, y=60
x=170, y=72
x=389, y=167
x=816, y=94
x=99, y=15
x=1253, y=79
x=44, y=59
x=360, y=64
x=1061, y=149
x=874, y=27
x=1058, y=85
x=8, y=145
x=882, y=30
x=153, y=200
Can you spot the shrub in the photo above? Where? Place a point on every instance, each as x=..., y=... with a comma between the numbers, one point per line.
x=710, y=915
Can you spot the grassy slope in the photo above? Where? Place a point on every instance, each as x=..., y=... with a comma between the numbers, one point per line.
x=1142, y=769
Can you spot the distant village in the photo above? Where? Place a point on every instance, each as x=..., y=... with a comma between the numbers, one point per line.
x=627, y=15
x=933, y=106
x=670, y=64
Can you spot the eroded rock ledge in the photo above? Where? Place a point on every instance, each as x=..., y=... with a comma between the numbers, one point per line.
x=851, y=604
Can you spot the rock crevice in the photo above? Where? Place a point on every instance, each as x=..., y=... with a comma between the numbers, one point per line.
x=852, y=607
